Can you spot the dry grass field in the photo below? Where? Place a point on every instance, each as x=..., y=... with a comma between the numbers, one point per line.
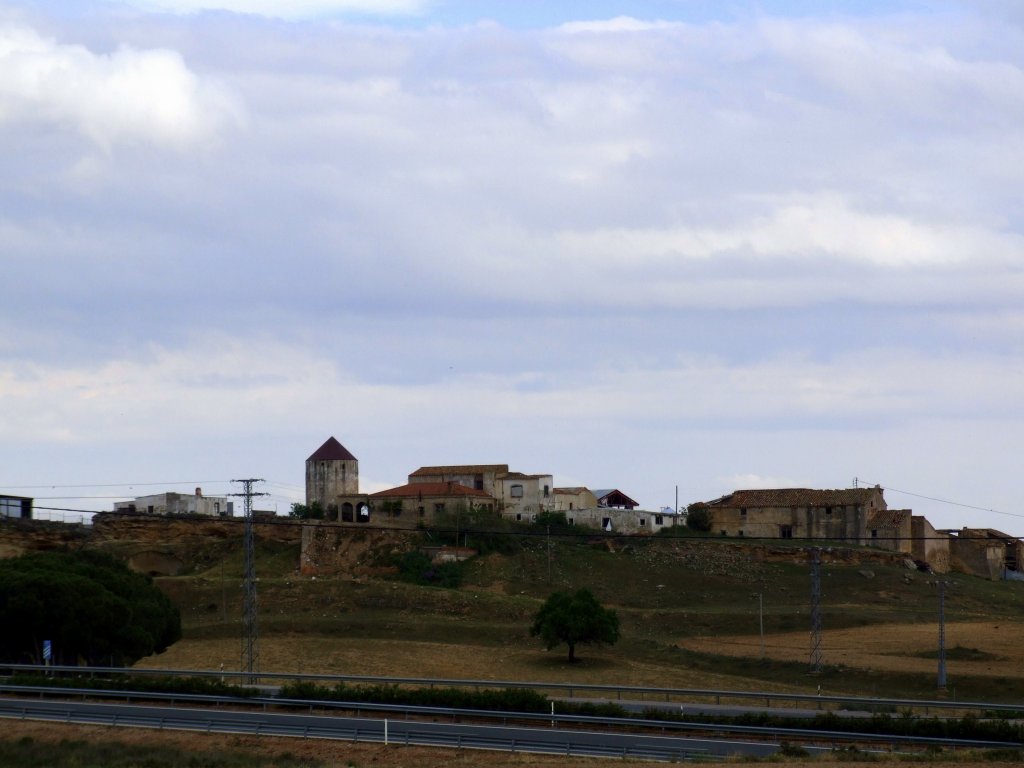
x=688, y=612
x=994, y=648
x=410, y=658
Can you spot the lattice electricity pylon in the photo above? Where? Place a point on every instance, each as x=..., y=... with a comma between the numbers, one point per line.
x=250, y=614
x=815, y=610
x=942, y=635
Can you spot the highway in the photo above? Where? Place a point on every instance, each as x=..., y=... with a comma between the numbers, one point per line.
x=559, y=741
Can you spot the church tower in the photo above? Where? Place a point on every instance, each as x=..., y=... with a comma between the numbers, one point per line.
x=331, y=472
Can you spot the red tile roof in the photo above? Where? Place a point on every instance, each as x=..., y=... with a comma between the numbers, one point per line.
x=415, y=490
x=795, y=497
x=332, y=450
x=889, y=518
x=460, y=469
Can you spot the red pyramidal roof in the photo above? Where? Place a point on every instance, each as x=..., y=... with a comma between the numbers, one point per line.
x=332, y=450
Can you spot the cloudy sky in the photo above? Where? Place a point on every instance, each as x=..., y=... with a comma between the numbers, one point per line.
x=637, y=244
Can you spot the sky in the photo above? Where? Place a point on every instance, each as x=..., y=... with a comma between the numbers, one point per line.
x=666, y=246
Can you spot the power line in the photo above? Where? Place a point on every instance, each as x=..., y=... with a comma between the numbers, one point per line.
x=953, y=503
x=117, y=485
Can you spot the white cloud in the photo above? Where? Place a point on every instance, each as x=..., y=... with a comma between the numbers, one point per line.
x=779, y=422
x=811, y=227
x=614, y=25
x=291, y=9
x=139, y=96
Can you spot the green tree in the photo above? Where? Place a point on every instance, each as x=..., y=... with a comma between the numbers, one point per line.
x=89, y=605
x=698, y=518
x=308, y=511
x=554, y=521
x=575, y=618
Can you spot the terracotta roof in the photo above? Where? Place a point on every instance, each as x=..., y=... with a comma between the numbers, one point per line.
x=888, y=518
x=795, y=497
x=989, y=533
x=413, y=490
x=332, y=450
x=460, y=469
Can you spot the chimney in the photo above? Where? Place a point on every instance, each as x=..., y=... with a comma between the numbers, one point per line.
x=199, y=492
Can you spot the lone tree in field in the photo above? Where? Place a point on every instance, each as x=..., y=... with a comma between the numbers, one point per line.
x=575, y=618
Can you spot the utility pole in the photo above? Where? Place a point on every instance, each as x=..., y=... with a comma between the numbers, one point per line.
x=250, y=625
x=942, y=635
x=815, y=610
x=549, y=553
x=760, y=616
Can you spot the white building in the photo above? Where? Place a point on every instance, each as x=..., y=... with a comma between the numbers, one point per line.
x=172, y=503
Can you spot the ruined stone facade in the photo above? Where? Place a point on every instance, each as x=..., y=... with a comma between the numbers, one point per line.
x=797, y=513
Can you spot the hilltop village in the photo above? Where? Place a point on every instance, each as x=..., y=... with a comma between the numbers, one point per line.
x=857, y=516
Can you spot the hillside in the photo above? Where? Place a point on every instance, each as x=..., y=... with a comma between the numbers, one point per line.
x=688, y=607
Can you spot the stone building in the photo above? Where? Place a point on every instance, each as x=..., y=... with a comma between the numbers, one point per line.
x=929, y=545
x=570, y=499
x=172, y=503
x=416, y=504
x=986, y=552
x=480, y=477
x=522, y=497
x=798, y=513
x=331, y=472
x=890, y=529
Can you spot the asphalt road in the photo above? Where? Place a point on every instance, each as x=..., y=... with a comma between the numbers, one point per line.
x=505, y=738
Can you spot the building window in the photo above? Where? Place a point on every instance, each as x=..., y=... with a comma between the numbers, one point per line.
x=722, y=533
x=571, y=521
x=478, y=482
x=547, y=491
x=828, y=511
x=743, y=512
x=516, y=491
x=741, y=532
x=874, y=533
x=785, y=531
x=216, y=507
x=422, y=511
x=570, y=506
x=643, y=521
x=150, y=509
x=659, y=520
x=519, y=517
x=606, y=523
x=439, y=507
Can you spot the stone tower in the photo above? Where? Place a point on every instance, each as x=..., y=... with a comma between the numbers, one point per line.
x=331, y=472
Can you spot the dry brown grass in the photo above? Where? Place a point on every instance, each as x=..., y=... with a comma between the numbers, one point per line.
x=892, y=647
x=411, y=658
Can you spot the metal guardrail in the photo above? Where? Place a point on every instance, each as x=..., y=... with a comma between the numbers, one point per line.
x=510, y=739
x=665, y=694
x=456, y=714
